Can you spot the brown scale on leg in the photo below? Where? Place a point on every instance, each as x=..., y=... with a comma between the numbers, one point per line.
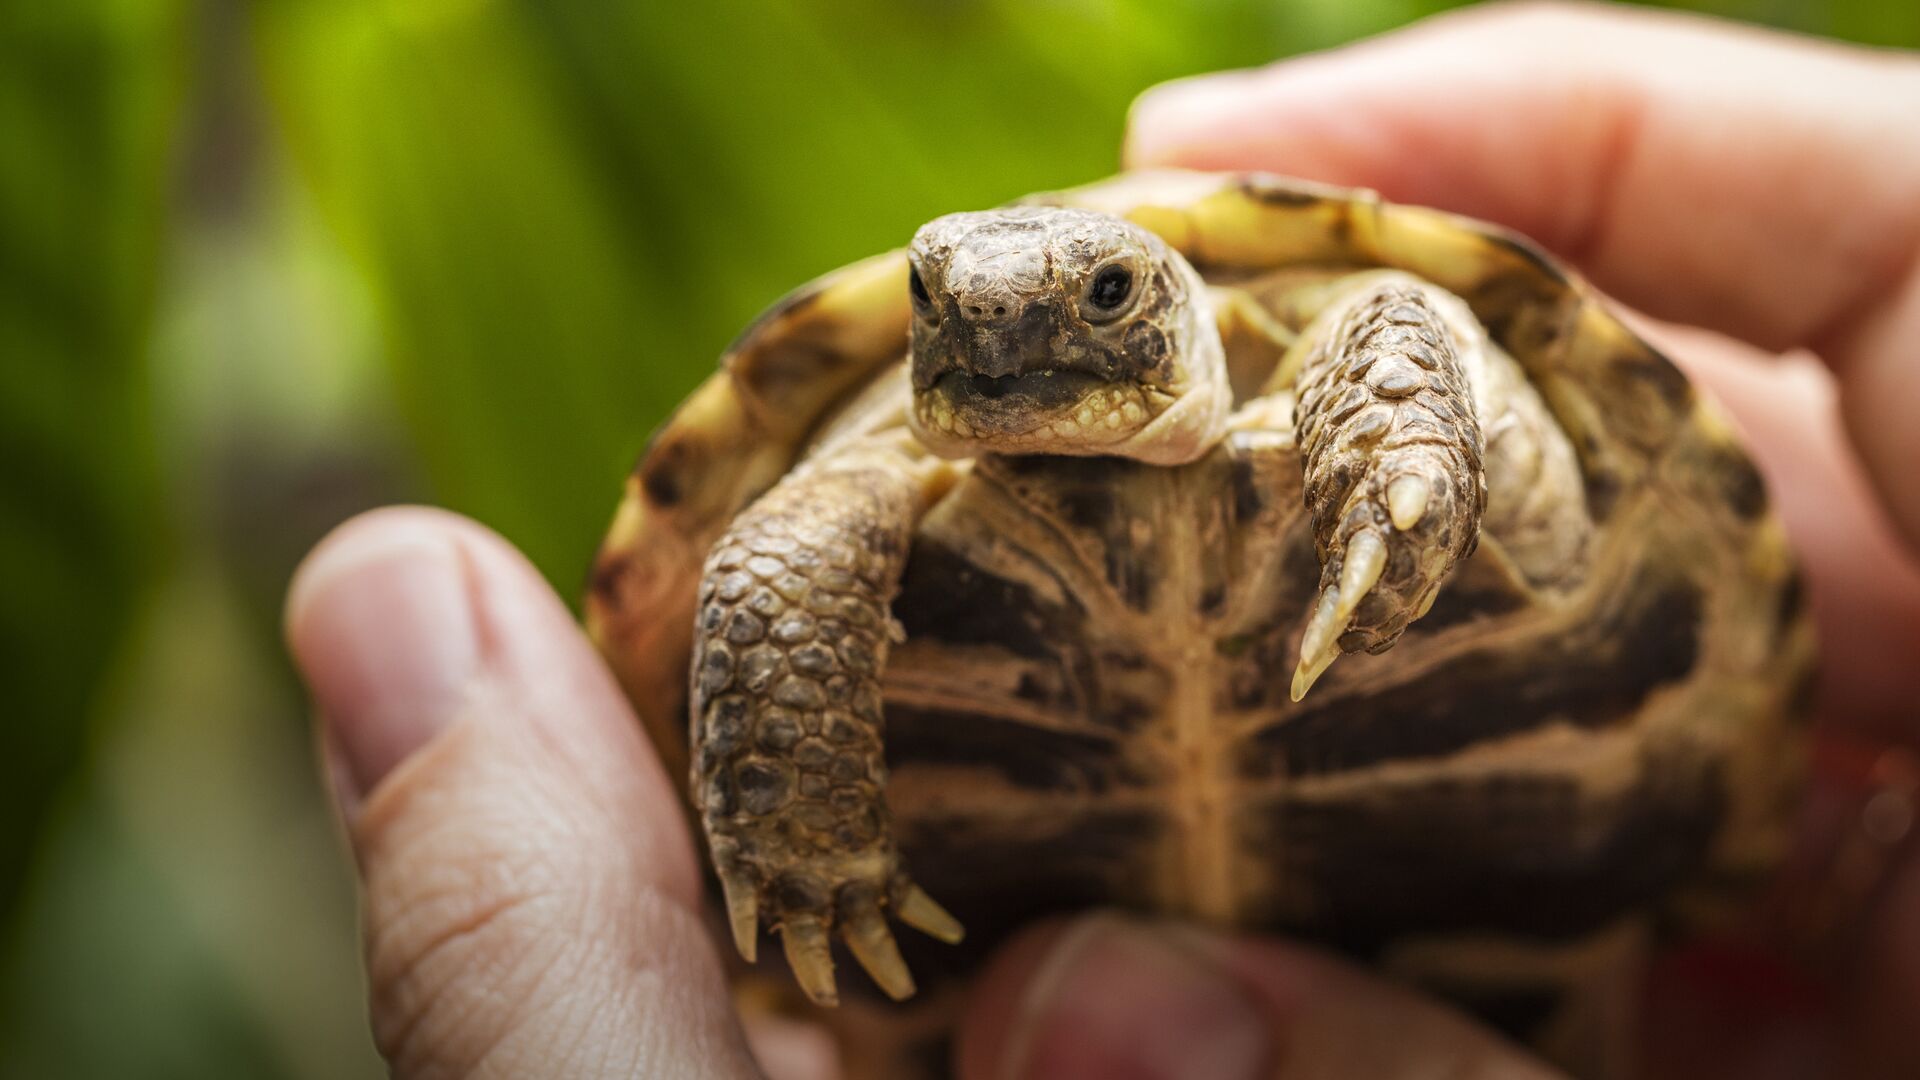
x=1394, y=484
x=791, y=637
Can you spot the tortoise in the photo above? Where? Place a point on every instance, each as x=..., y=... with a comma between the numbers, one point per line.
x=1006, y=575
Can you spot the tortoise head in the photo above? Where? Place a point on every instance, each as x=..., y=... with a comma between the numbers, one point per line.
x=1044, y=330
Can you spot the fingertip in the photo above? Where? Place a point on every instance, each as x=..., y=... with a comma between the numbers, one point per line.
x=402, y=617
x=1165, y=121
x=1394, y=115
x=994, y=1001
x=380, y=621
x=363, y=539
x=790, y=1049
x=1106, y=996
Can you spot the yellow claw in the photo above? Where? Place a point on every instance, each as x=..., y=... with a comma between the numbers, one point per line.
x=1309, y=671
x=1365, y=561
x=918, y=910
x=810, y=955
x=743, y=912
x=1407, y=501
x=872, y=944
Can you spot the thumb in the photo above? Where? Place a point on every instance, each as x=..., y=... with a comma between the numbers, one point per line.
x=1110, y=997
x=529, y=888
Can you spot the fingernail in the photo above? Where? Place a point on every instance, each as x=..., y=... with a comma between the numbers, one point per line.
x=381, y=624
x=1119, y=999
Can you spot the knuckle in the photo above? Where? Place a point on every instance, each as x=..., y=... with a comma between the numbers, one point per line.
x=453, y=949
x=474, y=882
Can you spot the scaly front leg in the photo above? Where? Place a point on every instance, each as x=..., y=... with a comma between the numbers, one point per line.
x=788, y=773
x=1394, y=481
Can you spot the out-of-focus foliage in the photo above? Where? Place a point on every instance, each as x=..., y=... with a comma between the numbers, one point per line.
x=89, y=91
x=264, y=262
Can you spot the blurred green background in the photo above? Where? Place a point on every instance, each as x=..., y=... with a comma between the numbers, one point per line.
x=263, y=265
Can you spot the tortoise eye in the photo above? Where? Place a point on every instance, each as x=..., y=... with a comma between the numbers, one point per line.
x=1110, y=289
x=918, y=288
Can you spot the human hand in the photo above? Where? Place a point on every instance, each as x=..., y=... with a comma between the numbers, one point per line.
x=532, y=905
x=532, y=898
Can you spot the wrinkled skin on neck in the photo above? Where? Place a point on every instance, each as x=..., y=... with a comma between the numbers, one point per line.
x=1042, y=330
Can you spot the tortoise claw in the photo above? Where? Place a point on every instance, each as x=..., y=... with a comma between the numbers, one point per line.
x=1407, y=498
x=1365, y=559
x=918, y=910
x=810, y=956
x=871, y=942
x=743, y=911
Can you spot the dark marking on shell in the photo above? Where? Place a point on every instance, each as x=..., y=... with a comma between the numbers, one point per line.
x=1599, y=677
x=1271, y=192
x=1792, y=602
x=1090, y=507
x=1340, y=229
x=1603, y=488
x=793, y=303
x=1745, y=489
x=1250, y=497
x=1506, y=302
x=781, y=364
x=1213, y=599
x=1517, y=854
x=670, y=453
x=1025, y=756
x=998, y=875
x=1805, y=692
x=1533, y=255
x=944, y=596
x=1471, y=595
x=609, y=573
x=1653, y=369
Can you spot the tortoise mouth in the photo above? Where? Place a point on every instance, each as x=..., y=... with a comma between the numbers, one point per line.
x=1053, y=410
x=1042, y=391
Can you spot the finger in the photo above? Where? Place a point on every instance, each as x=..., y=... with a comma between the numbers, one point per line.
x=1863, y=585
x=529, y=887
x=792, y=1049
x=1750, y=182
x=1107, y=997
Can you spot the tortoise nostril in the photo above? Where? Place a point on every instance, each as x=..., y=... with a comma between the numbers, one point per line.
x=973, y=310
x=1000, y=311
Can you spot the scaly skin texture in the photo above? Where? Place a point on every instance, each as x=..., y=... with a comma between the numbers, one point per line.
x=1394, y=482
x=792, y=633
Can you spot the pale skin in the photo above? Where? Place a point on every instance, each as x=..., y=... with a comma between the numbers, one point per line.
x=533, y=903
